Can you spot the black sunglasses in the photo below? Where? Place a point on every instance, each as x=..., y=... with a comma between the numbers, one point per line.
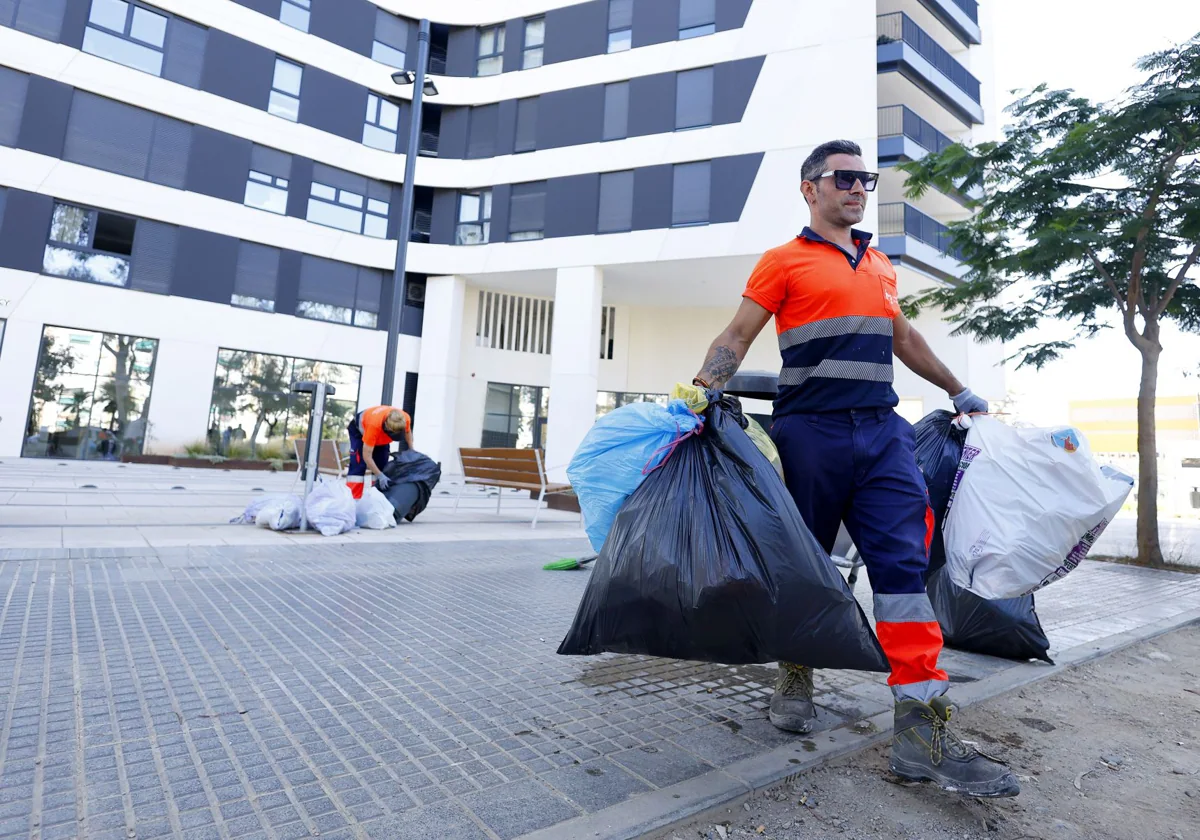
x=844, y=179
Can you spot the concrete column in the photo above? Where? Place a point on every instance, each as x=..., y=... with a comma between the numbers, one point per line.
x=438, y=375
x=180, y=395
x=574, y=364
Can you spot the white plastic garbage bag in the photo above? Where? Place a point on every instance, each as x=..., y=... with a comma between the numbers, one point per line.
x=250, y=514
x=374, y=511
x=279, y=513
x=1026, y=507
x=330, y=508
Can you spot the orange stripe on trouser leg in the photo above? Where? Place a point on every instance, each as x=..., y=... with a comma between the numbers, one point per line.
x=930, y=524
x=912, y=649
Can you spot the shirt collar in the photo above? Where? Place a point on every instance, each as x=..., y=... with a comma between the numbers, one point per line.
x=856, y=234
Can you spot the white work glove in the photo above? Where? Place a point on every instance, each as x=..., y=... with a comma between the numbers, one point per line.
x=968, y=403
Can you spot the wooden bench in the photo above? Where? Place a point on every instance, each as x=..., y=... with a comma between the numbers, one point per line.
x=329, y=459
x=521, y=469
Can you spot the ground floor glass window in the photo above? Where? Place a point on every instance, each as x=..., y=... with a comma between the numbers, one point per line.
x=514, y=416
x=607, y=401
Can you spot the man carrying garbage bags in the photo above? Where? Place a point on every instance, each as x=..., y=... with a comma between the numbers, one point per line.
x=848, y=457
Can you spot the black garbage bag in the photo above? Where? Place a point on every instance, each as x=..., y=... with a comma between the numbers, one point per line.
x=709, y=560
x=411, y=467
x=1008, y=628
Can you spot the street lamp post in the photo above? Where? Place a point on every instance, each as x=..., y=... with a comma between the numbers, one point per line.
x=421, y=86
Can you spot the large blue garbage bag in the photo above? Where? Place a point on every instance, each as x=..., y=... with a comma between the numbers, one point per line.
x=1007, y=628
x=618, y=452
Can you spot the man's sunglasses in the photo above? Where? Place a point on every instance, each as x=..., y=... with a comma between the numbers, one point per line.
x=844, y=179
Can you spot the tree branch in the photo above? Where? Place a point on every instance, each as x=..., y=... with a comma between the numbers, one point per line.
x=1178, y=281
x=1108, y=279
x=1139, y=247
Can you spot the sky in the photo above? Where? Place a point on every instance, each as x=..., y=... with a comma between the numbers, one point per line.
x=1090, y=46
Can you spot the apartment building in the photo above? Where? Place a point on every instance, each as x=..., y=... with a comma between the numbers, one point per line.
x=199, y=201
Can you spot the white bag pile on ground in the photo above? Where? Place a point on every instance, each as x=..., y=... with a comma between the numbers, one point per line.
x=330, y=508
x=1027, y=506
x=374, y=511
x=279, y=513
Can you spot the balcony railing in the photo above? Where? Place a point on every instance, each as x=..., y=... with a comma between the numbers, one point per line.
x=971, y=7
x=898, y=26
x=899, y=120
x=900, y=219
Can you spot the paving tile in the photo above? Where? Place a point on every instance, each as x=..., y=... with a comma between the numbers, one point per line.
x=596, y=784
x=519, y=807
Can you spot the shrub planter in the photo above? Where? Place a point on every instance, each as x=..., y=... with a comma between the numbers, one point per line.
x=202, y=463
x=561, y=501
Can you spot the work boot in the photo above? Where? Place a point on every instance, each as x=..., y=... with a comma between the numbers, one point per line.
x=925, y=749
x=792, y=703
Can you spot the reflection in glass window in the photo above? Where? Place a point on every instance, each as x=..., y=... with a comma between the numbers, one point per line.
x=348, y=211
x=89, y=245
x=607, y=401
x=127, y=34
x=266, y=192
x=491, y=51
x=91, y=393
x=295, y=13
x=382, y=123
x=325, y=312
x=535, y=40
x=391, y=39
x=515, y=416
x=285, y=90
x=620, y=25
x=696, y=18
x=474, y=218
x=254, y=411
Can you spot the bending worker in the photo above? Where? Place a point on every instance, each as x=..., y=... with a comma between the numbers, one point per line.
x=371, y=435
x=848, y=457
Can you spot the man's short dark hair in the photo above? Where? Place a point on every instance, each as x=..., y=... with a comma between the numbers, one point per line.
x=814, y=164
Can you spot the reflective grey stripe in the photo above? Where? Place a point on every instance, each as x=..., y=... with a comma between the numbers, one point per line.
x=831, y=327
x=923, y=691
x=837, y=369
x=897, y=608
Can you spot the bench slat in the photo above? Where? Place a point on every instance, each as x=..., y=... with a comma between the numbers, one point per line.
x=505, y=454
x=519, y=485
x=500, y=464
x=504, y=475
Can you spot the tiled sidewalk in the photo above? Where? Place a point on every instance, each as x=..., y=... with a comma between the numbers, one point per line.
x=386, y=691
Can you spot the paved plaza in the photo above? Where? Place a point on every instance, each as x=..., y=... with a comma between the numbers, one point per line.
x=400, y=687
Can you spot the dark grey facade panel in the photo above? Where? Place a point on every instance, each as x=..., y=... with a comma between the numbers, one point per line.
x=238, y=70
x=109, y=135
x=527, y=125
x=26, y=226
x=731, y=14
x=527, y=207
x=571, y=205
x=694, y=98
x=506, y=127
x=333, y=104
x=44, y=125
x=205, y=266
x=691, y=193
x=501, y=196
x=183, y=61
x=257, y=271
x=412, y=319
x=732, y=179
x=169, y=152
x=514, y=44
x=483, y=132
x=652, y=104
x=299, y=188
x=655, y=22
x=369, y=289
x=452, y=142
x=616, y=111
x=218, y=165
x=271, y=161
x=13, y=87
x=695, y=13
x=154, y=245
x=571, y=117
x=445, y=217
x=288, y=287
x=576, y=31
x=733, y=83
x=43, y=18
x=347, y=23
x=327, y=281
x=270, y=8
x=3, y=203
x=410, y=394
x=461, y=51
x=616, y=202
x=652, y=197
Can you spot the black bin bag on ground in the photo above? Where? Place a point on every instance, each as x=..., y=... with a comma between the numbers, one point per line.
x=413, y=478
x=709, y=560
x=1008, y=628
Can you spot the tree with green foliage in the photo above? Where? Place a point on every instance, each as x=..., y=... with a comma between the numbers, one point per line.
x=53, y=362
x=1088, y=212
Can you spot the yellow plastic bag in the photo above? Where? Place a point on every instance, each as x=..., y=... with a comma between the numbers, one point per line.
x=764, y=443
x=692, y=395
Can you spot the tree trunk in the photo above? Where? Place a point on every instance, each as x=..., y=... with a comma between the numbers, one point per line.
x=258, y=421
x=1149, y=549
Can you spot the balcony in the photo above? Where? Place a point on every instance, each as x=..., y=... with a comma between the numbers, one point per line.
x=911, y=238
x=903, y=135
x=907, y=49
x=959, y=16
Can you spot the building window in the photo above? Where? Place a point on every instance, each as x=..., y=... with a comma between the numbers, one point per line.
x=696, y=18
x=482, y=131
x=91, y=391
x=13, y=88
x=127, y=34
x=694, y=98
x=620, y=25
x=254, y=411
x=89, y=245
x=535, y=41
x=514, y=416
x=527, y=212
x=295, y=13
x=383, y=121
x=527, y=115
x=339, y=292
x=474, y=218
x=491, y=51
x=257, y=276
x=607, y=401
x=608, y=329
x=285, y=90
x=616, y=202
x=348, y=202
x=43, y=18
x=126, y=140
x=267, y=183
x=690, y=194
x=391, y=39
x=616, y=111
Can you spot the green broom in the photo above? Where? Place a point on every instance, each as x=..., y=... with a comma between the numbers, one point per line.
x=567, y=564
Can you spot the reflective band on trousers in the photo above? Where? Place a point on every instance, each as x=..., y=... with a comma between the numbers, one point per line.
x=837, y=369
x=897, y=608
x=923, y=691
x=834, y=327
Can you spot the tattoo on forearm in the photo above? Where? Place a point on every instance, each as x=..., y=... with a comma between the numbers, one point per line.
x=722, y=364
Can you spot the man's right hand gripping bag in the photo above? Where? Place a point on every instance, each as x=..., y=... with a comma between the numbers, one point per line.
x=709, y=560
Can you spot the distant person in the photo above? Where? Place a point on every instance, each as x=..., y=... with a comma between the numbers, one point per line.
x=239, y=434
x=372, y=433
x=226, y=437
